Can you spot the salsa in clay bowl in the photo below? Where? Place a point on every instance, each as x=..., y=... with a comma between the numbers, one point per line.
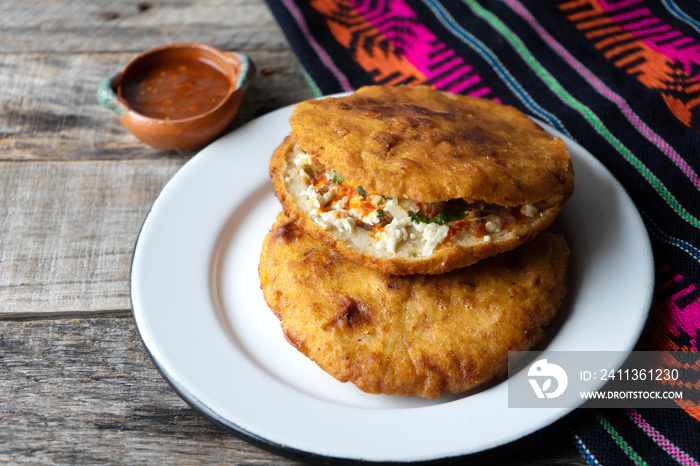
x=178, y=96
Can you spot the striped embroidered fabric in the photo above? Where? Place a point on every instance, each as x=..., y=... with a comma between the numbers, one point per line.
x=621, y=77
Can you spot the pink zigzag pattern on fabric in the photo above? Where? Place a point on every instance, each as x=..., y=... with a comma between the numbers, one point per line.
x=681, y=319
x=607, y=92
x=678, y=51
x=397, y=22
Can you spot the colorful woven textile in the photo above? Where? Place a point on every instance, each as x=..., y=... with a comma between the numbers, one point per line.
x=621, y=77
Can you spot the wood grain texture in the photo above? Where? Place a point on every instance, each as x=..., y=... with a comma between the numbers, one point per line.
x=50, y=111
x=68, y=232
x=90, y=395
x=60, y=26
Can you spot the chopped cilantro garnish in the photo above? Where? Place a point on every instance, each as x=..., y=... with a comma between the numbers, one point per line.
x=308, y=170
x=447, y=216
x=418, y=218
x=441, y=218
x=335, y=178
x=380, y=213
x=361, y=191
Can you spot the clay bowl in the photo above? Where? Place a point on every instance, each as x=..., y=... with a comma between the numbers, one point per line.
x=181, y=133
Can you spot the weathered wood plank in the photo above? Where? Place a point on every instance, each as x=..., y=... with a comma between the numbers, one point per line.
x=48, y=108
x=89, y=394
x=68, y=232
x=88, y=26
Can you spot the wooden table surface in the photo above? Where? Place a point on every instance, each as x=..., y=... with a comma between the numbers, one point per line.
x=76, y=385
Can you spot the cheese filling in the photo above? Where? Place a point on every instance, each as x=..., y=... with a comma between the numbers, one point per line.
x=392, y=222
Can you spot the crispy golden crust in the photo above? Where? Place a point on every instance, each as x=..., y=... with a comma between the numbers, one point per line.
x=419, y=335
x=428, y=145
x=359, y=245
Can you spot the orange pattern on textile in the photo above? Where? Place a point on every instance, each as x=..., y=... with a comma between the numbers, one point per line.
x=674, y=326
x=660, y=57
x=372, y=51
x=389, y=41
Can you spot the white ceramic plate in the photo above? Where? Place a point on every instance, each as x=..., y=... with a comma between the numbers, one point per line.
x=199, y=309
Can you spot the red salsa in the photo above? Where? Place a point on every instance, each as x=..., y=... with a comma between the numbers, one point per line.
x=177, y=90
